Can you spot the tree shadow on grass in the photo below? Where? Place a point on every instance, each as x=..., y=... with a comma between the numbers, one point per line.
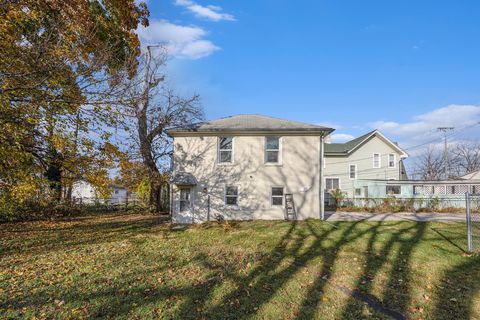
x=260, y=285
x=458, y=291
x=396, y=294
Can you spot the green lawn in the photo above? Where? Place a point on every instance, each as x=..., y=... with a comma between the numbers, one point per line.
x=133, y=266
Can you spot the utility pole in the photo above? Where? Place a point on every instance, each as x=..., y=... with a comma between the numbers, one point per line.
x=445, y=131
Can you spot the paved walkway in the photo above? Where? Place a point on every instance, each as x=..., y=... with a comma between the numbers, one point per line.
x=356, y=216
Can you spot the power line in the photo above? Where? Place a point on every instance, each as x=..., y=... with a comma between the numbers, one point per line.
x=445, y=150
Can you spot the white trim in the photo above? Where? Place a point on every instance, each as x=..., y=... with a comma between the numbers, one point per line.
x=349, y=175
x=394, y=160
x=225, y=195
x=339, y=182
x=280, y=153
x=271, y=196
x=218, y=151
x=379, y=160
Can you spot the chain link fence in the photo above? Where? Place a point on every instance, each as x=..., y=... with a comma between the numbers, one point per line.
x=473, y=221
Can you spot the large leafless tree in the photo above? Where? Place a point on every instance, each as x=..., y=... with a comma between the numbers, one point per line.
x=152, y=107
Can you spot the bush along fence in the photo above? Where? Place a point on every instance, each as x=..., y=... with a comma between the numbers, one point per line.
x=400, y=204
x=35, y=210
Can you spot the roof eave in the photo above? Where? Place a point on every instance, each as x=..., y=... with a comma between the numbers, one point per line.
x=246, y=132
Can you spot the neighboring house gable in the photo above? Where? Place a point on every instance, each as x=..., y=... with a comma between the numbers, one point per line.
x=371, y=156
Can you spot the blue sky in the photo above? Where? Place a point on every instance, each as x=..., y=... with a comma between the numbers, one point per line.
x=404, y=67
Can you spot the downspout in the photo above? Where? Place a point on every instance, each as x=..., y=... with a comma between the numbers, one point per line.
x=321, y=182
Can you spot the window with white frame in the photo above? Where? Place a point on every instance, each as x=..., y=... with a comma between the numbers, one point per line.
x=225, y=150
x=353, y=171
x=184, y=199
x=272, y=149
x=376, y=160
x=277, y=196
x=332, y=183
x=392, y=160
x=358, y=191
x=231, y=195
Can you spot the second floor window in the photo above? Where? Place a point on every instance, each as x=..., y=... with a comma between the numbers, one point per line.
x=376, y=160
x=353, y=171
x=225, y=150
x=391, y=160
x=272, y=149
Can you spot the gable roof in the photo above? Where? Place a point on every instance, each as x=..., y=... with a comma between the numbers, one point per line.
x=350, y=146
x=475, y=175
x=248, y=123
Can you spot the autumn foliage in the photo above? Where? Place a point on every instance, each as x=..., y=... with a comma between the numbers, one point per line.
x=60, y=65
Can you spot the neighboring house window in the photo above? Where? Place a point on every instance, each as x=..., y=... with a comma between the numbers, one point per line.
x=332, y=183
x=391, y=160
x=376, y=160
x=393, y=189
x=184, y=199
x=225, y=150
x=116, y=191
x=353, y=171
x=277, y=196
x=231, y=195
x=272, y=149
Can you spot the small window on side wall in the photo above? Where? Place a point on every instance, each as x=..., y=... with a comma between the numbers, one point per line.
x=376, y=160
x=393, y=190
x=231, y=195
x=225, y=150
x=332, y=184
x=391, y=160
x=277, y=196
x=353, y=171
x=272, y=149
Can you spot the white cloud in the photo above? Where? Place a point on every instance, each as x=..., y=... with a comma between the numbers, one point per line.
x=179, y=40
x=210, y=12
x=458, y=116
x=341, y=137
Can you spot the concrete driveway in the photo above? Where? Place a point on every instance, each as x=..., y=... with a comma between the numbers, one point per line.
x=399, y=216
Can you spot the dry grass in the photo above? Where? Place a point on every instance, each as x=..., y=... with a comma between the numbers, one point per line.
x=133, y=266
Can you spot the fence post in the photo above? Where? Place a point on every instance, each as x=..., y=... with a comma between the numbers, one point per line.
x=469, y=224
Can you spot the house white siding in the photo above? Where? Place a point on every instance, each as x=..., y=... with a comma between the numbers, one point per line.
x=297, y=172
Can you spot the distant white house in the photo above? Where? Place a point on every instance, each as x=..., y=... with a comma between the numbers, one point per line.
x=86, y=193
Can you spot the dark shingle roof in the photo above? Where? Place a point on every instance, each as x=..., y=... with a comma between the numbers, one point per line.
x=347, y=146
x=249, y=123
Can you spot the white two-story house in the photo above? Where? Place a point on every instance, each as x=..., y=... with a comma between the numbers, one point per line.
x=369, y=157
x=247, y=167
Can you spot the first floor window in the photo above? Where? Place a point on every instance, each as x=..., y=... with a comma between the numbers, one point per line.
x=332, y=183
x=225, y=150
x=277, y=196
x=391, y=160
x=272, y=149
x=184, y=199
x=353, y=171
x=358, y=191
x=231, y=195
x=393, y=189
